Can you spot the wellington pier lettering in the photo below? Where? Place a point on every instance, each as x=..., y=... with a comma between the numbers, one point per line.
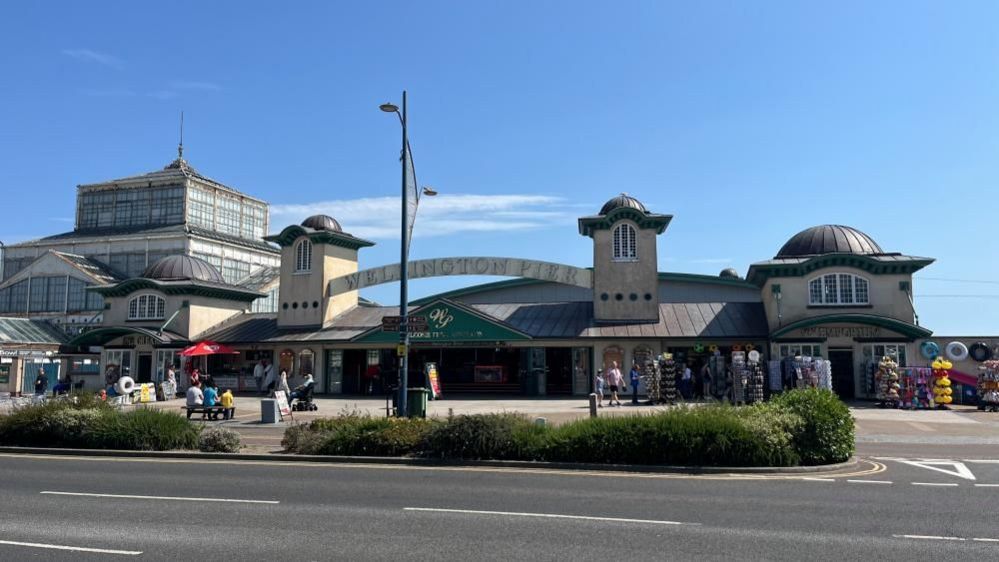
x=443, y=267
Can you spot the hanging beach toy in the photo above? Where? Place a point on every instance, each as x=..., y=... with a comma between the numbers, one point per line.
x=979, y=351
x=930, y=350
x=957, y=351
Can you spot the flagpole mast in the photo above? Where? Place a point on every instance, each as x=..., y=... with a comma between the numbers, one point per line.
x=403, y=406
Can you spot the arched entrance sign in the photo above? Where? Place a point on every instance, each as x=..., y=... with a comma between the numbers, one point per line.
x=443, y=267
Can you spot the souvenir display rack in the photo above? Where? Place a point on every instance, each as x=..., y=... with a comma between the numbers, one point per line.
x=667, y=372
x=887, y=383
x=652, y=381
x=942, y=392
x=917, y=388
x=739, y=376
x=988, y=386
x=755, y=387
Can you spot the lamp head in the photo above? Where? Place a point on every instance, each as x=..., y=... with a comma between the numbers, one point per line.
x=389, y=108
x=429, y=191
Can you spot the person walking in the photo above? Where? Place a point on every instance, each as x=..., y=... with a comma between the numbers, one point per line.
x=635, y=376
x=598, y=383
x=270, y=378
x=283, y=383
x=41, y=383
x=706, y=381
x=686, y=383
x=615, y=380
x=258, y=375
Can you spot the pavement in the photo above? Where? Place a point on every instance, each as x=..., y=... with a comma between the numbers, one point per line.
x=84, y=508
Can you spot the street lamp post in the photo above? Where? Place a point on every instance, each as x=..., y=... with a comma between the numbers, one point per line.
x=402, y=405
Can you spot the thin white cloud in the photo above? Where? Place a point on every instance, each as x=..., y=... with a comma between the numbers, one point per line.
x=204, y=86
x=162, y=95
x=444, y=215
x=110, y=93
x=61, y=219
x=88, y=55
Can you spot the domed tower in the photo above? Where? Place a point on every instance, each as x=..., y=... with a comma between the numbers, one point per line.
x=311, y=254
x=625, y=267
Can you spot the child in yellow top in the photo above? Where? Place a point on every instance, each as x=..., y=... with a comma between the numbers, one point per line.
x=228, y=402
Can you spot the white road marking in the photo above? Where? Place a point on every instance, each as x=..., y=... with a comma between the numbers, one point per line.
x=982, y=461
x=958, y=468
x=870, y=481
x=72, y=548
x=938, y=538
x=934, y=483
x=546, y=515
x=987, y=485
x=168, y=498
x=817, y=479
x=921, y=426
x=929, y=537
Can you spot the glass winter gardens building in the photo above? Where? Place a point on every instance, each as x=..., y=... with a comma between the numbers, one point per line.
x=831, y=291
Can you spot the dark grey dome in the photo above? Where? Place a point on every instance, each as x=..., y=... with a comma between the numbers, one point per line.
x=623, y=200
x=183, y=267
x=322, y=222
x=729, y=273
x=829, y=239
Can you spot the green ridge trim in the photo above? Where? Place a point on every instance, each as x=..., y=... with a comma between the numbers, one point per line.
x=904, y=328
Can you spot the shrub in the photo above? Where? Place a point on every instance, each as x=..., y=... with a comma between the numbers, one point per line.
x=48, y=424
x=360, y=435
x=827, y=431
x=708, y=436
x=219, y=440
x=144, y=429
x=481, y=436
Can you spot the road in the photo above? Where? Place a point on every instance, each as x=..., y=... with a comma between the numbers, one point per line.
x=887, y=509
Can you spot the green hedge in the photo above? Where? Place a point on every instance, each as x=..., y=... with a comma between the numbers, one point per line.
x=90, y=425
x=801, y=427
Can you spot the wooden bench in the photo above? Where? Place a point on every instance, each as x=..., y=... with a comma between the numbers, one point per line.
x=213, y=412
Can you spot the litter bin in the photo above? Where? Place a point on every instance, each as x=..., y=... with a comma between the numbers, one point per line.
x=416, y=399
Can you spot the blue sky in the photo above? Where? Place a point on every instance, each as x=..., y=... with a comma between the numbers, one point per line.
x=748, y=121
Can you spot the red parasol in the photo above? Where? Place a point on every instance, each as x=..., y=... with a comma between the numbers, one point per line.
x=207, y=348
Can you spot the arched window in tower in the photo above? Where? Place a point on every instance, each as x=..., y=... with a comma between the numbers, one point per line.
x=625, y=242
x=303, y=256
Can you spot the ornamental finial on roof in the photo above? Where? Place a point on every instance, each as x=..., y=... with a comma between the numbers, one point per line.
x=180, y=147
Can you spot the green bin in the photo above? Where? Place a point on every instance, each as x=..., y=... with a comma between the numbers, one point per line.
x=416, y=399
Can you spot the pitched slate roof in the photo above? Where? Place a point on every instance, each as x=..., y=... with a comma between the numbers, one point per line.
x=564, y=320
x=25, y=331
x=676, y=320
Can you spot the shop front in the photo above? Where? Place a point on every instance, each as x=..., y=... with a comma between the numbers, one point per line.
x=143, y=354
x=854, y=345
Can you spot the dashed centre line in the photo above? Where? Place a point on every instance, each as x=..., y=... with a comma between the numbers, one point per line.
x=934, y=484
x=545, y=515
x=870, y=481
x=72, y=548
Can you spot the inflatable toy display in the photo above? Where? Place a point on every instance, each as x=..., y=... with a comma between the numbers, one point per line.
x=930, y=350
x=942, y=392
x=957, y=351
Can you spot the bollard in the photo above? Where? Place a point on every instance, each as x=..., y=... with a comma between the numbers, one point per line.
x=593, y=405
x=540, y=422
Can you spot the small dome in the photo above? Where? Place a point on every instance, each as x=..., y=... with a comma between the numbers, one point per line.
x=729, y=273
x=623, y=200
x=322, y=222
x=829, y=239
x=183, y=267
